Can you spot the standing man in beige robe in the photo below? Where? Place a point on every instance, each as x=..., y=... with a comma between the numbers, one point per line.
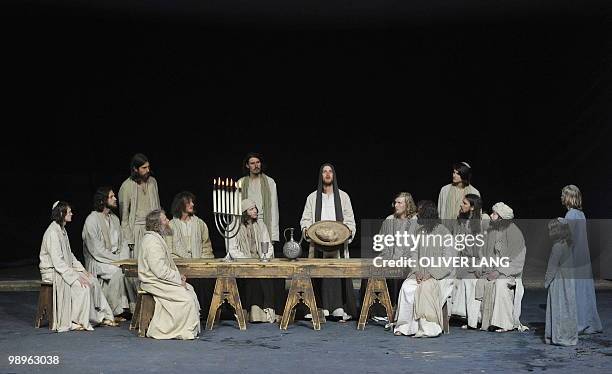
x=329, y=203
x=451, y=195
x=500, y=287
x=259, y=187
x=190, y=239
x=103, y=245
x=176, y=314
x=138, y=196
x=78, y=300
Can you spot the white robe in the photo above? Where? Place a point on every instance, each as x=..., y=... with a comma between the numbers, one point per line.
x=190, y=239
x=72, y=303
x=176, y=314
x=438, y=289
x=102, y=245
x=308, y=218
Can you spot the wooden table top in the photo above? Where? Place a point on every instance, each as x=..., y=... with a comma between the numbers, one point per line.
x=276, y=268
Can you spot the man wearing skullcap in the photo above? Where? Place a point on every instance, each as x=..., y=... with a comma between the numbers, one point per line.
x=77, y=297
x=451, y=195
x=329, y=203
x=500, y=287
x=253, y=241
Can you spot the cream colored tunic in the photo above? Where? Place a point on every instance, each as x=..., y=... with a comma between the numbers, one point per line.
x=72, y=303
x=190, y=239
x=132, y=223
x=102, y=245
x=176, y=314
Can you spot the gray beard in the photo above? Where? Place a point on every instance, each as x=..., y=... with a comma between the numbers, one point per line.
x=166, y=231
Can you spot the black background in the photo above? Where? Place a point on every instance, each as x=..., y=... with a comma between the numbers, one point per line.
x=390, y=92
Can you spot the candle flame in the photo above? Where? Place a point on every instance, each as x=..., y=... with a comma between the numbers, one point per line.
x=222, y=184
x=214, y=182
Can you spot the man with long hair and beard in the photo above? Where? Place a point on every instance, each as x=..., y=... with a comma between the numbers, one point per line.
x=176, y=314
x=138, y=196
x=191, y=239
x=103, y=244
x=329, y=203
x=261, y=188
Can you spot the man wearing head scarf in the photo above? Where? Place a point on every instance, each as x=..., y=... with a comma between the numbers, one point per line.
x=329, y=203
x=500, y=287
x=138, y=195
x=253, y=241
x=176, y=314
x=451, y=195
x=259, y=187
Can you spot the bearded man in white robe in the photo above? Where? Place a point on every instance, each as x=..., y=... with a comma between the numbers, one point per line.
x=176, y=314
x=102, y=245
x=78, y=301
x=138, y=196
x=423, y=294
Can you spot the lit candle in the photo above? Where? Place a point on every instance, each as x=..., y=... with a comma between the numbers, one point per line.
x=214, y=196
x=240, y=199
x=231, y=196
x=222, y=197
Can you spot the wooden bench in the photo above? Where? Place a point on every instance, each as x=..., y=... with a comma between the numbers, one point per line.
x=44, y=312
x=143, y=312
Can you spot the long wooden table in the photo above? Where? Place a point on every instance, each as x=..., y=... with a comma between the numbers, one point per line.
x=300, y=272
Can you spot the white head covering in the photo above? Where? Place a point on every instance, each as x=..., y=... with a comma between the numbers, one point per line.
x=466, y=164
x=54, y=205
x=503, y=210
x=248, y=204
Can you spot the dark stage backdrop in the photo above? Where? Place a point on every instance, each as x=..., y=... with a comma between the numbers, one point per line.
x=391, y=94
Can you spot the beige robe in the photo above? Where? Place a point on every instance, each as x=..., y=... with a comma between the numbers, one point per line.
x=189, y=240
x=501, y=298
x=102, y=245
x=443, y=197
x=176, y=314
x=419, y=306
x=72, y=303
x=129, y=194
x=238, y=248
x=254, y=193
x=308, y=218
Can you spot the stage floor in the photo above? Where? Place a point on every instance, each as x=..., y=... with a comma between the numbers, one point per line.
x=337, y=348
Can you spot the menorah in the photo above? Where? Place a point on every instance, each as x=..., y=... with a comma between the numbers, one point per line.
x=227, y=209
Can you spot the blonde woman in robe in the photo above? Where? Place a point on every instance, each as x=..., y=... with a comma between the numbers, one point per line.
x=176, y=314
x=586, y=300
x=78, y=301
x=253, y=241
x=451, y=195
